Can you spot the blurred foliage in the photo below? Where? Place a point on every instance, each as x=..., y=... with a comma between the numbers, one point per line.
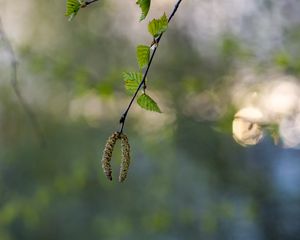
x=186, y=180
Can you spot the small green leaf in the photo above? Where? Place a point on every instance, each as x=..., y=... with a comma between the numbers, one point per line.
x=132, y=80
x=158, y=26
x=72, y=8
x=145, y=6
x=148, y=103
x=143, y=55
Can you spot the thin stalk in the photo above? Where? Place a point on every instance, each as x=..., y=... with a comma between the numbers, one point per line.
x=86, y=3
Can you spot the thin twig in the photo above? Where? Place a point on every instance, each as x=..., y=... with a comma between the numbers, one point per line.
x=86, y=3
x=124, y=115
x=16, y=88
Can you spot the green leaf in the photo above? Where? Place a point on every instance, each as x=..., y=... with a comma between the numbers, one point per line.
x=143, y=55
x=148, y=103
x=158, y=26
x=132, y=80
x=145, y=6
x=72, y=8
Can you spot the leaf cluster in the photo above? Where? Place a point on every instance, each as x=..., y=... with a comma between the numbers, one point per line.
x=134, y=80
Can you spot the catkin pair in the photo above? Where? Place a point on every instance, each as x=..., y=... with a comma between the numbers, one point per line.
x=107, y=155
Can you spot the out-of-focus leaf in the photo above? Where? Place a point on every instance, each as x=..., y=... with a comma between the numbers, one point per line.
x=148, y=103
x=224, y=124
x=273, y=130
x=158, y=26
x=132, y=80
x=282, y=60
x=143, y=54
x=145, y=6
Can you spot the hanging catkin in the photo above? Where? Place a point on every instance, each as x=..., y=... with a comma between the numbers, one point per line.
x=125, y=161
x=107, y=154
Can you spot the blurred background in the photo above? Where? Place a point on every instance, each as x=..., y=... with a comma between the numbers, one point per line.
x=189, y=178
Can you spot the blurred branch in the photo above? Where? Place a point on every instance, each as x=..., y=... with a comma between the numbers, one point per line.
x=15, y=85
x=143, y=82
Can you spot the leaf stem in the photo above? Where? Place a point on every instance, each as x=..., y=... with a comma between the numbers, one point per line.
x=124, y=115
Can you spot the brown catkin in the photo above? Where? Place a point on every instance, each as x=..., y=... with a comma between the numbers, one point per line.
x=107, y=154
x=125, y=161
